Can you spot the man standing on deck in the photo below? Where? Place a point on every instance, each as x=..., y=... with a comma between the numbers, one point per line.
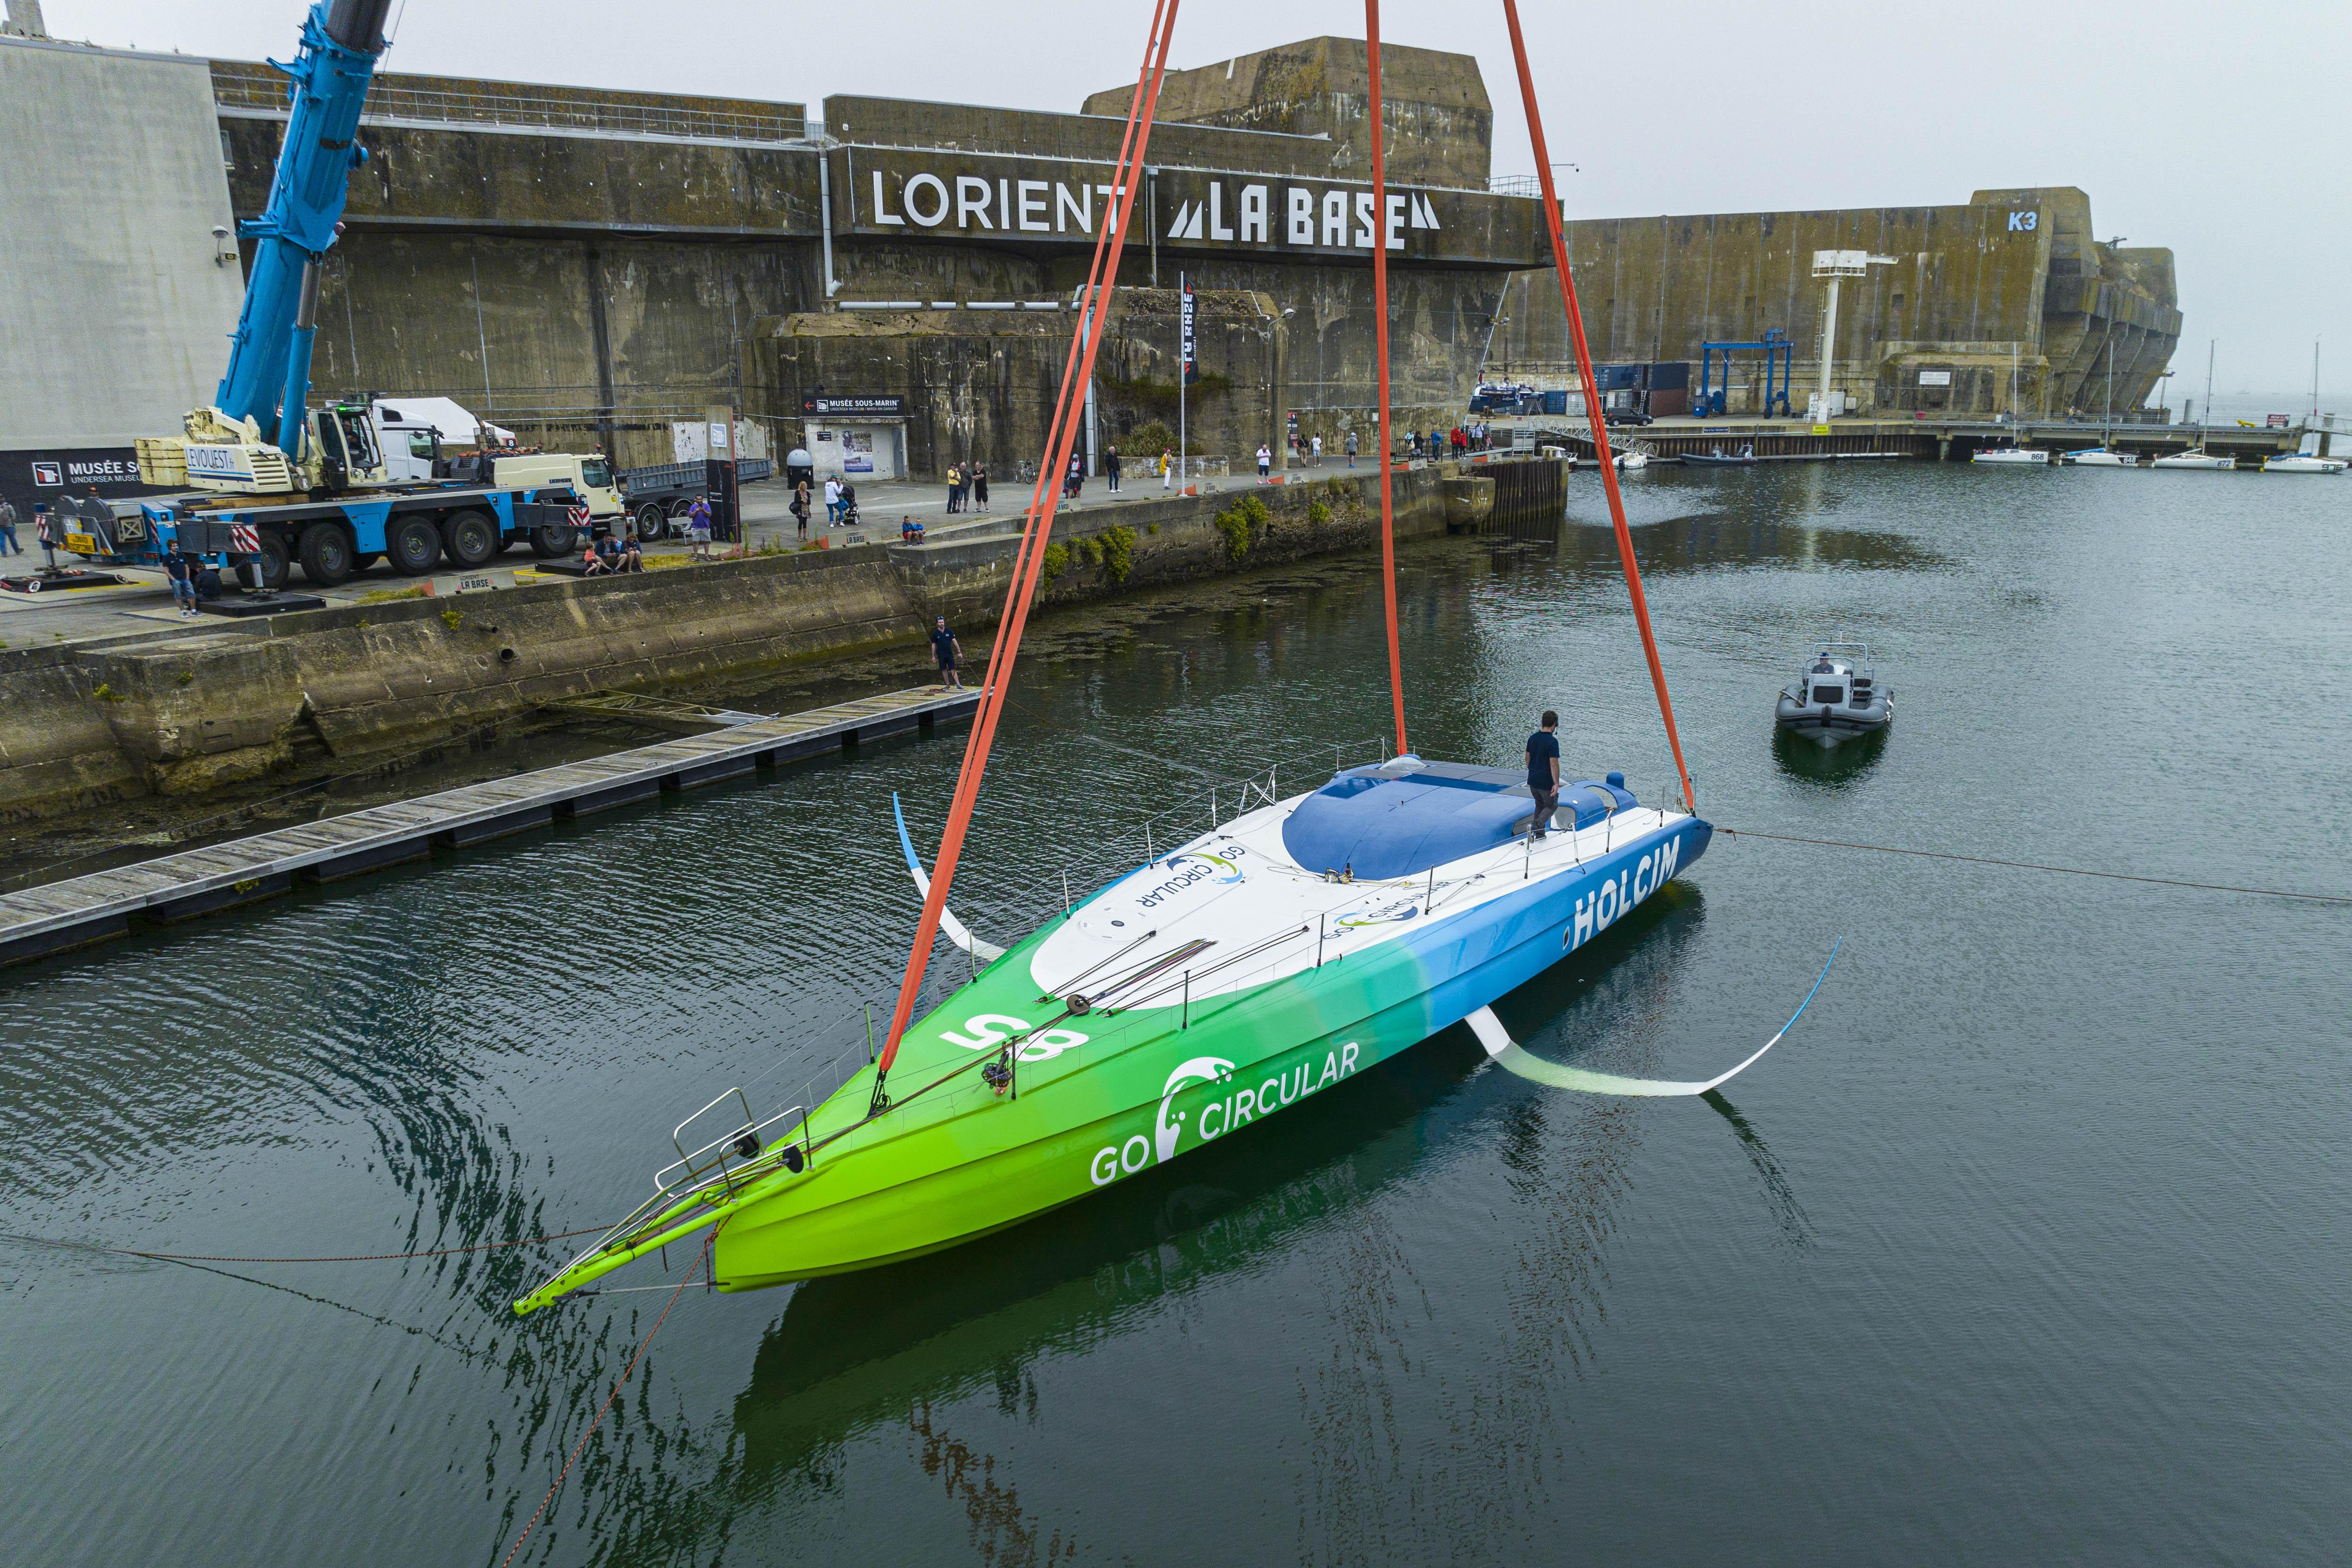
x=949, y=652
x=1543, y=774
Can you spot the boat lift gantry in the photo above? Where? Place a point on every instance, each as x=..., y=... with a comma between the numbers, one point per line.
x=1712, y=399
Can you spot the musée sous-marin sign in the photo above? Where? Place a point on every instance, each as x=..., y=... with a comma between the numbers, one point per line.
x=976, y=196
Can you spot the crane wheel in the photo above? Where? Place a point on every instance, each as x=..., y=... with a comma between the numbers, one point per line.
x=327, y=555
x=470, y=538
x=275, y=565
x=551, y=543
x=415, y=546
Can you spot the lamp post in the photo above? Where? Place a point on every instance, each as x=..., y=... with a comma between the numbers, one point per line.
x=1837, y=266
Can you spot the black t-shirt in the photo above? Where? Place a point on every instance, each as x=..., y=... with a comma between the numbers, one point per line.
x=944, y=647
x=1543, y=749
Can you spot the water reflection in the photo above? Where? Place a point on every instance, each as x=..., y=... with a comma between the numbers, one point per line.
x=1705, y=518
x=1834, y=767
x=855, y=1350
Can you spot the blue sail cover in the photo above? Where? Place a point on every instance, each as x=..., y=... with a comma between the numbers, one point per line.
x=1386, y=822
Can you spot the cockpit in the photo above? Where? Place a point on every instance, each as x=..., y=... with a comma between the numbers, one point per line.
x=1831, y=681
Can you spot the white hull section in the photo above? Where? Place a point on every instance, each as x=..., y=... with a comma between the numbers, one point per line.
x=1239, y=889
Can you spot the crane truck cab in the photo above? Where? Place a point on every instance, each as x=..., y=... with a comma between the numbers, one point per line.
x=231, y=456
x=587, y=475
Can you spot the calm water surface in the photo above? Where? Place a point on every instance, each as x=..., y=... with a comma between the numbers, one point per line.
x=2028, y=1245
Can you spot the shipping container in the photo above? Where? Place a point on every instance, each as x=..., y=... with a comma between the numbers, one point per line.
x=1670, y=376
x=1616, y=377
x=1668, y=402
x=1555, y=403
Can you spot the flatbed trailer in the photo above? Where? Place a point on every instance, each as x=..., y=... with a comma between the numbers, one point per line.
x=655, y=498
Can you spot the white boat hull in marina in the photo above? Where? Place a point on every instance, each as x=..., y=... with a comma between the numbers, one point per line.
x=2010, y=455
x=2198, y=460
x=2100, y=457
x=2304, y=463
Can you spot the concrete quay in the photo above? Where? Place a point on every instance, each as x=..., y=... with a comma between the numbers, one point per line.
x=179, y=708
x=1950, y=440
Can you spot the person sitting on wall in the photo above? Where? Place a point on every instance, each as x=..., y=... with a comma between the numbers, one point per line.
x=591, y=560
x=909, y=531
x=631, y=558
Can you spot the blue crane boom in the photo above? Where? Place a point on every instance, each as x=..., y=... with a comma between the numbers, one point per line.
x=268, y=375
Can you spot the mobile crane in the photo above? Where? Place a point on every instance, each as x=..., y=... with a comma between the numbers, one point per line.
x=273, y=480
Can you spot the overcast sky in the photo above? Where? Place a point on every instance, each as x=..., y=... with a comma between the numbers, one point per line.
x=2218, y=131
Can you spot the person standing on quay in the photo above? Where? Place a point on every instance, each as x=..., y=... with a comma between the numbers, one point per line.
x=1111, y=465
x=801, y=508
x=697, y=527
x=1265, y=461
x=1167, y=470
x=8, y=545
x=1351, y=448
x=1543, y=774
x=182, y=578
x=1077, y=474
x=979, y=487
x=955, y=489
x=1315, y=450
x=832, y=499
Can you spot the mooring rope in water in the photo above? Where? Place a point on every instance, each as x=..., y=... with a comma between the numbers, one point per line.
x=626, y=1373
x=2035, y=866
x=355, y=1257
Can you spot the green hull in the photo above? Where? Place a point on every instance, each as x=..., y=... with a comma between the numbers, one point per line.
x=963, y=1160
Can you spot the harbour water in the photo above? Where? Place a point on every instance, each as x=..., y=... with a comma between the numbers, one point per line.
x=2026, y=1245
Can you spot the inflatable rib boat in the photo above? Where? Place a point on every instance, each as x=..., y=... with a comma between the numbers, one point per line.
x=1836, y=697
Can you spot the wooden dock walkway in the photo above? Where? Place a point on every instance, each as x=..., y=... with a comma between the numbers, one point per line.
x=179, y=886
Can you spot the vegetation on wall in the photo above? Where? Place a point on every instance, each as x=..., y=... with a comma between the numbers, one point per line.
x=1235, y=523
x=1159, y=397
x=1149, y=439
x=1117, y=552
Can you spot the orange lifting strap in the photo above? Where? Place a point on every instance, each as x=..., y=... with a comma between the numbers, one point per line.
x=1078, y=371
x=1591, y=395
x=1043, y=501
